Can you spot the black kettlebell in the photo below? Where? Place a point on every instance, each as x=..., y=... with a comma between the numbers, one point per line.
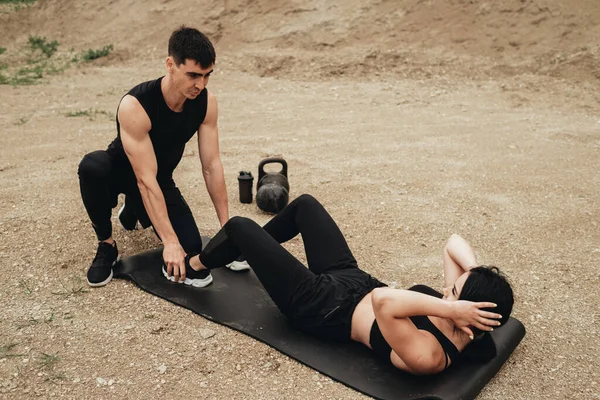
x=272, y=188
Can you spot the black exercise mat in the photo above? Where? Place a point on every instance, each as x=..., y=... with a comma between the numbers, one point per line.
x=238, y=300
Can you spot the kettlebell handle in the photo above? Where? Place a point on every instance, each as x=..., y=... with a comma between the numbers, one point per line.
x=272, y=160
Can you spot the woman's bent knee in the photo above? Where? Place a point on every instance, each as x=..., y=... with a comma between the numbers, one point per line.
x=238, y=222
x=306, y=199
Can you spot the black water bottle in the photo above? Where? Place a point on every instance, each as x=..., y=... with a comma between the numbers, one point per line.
x=245, y=179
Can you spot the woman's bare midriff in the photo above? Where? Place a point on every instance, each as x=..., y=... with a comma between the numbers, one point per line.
x=362, y=320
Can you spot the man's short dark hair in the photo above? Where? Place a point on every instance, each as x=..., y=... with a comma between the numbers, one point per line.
x=189, y=43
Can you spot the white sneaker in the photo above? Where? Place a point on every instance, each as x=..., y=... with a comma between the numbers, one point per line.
x=194, y=278
x=238, y=265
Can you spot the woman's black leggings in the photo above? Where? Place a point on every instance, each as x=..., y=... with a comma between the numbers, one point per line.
x=280, y=272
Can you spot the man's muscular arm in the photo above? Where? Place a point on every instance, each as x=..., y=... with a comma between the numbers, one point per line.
x=212, y=167
x=135, y=126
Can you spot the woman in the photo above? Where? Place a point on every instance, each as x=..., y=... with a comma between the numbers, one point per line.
x=414, y=329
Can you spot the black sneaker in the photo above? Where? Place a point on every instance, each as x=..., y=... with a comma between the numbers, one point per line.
x=127, y=218
x=194, y=278
x=100, y=272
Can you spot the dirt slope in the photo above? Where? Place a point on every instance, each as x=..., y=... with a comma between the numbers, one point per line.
x=353, y=38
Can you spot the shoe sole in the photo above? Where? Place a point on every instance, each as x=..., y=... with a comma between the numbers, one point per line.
x=199, y=283
x=104, y=282
x=238, y=266
x=119, y=219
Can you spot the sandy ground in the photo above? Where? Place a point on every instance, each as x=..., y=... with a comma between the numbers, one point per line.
x=402, y=147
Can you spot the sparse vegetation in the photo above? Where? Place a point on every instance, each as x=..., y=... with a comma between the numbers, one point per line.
x=5, y=351
x=28, y=323
x=22, y=121
x=23, y=284
x=79, y=113
x=41, y=44
x=91, y=113
x=50, y=318
x=14, y=5
x=56, y=377
x=41, y=59
x=27, y=76
x=38, y=53
x=94, y=54
x=74, y=286
x=17, y=1
x=48, y=360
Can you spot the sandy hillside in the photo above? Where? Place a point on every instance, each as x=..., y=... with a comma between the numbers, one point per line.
x=409, y=120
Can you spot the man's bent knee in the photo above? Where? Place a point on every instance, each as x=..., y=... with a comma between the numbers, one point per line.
x=95, y=165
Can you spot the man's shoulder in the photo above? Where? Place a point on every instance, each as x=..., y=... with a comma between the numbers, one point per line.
x=145, y=88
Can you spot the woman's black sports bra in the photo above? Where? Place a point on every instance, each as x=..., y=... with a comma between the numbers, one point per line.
x=383, y=349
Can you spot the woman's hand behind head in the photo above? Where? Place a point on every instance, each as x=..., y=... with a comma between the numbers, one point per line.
x=468, y=314
x=486, y=285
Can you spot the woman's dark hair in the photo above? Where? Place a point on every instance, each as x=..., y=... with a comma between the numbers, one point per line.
x=486, y=284
x=189, y=43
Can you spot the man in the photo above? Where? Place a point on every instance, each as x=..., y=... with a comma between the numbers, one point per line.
x=154, y=122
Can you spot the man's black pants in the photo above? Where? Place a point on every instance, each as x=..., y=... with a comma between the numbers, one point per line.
x=103, y=176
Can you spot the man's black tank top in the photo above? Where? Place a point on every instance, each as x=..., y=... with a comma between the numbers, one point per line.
x=170, y=130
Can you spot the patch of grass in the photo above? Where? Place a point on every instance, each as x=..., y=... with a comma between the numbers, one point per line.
x=79, y=113
x=14, y=5
x=22, y=121
x=23, y=284
x=5, y=351
x=55, y=377
x=91, y=113
x=41, y=59
x=28, y=323
x=41, y=44
x=94, y=54
x=17, y=1
x=27, y=75
x=74, y=286
x=55, y=69
x=48, y=360
x=37, y=63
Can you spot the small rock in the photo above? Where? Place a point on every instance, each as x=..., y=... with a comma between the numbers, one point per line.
x=162, y=368
x=101, y=381
x=206, y=333
x=76, y=380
